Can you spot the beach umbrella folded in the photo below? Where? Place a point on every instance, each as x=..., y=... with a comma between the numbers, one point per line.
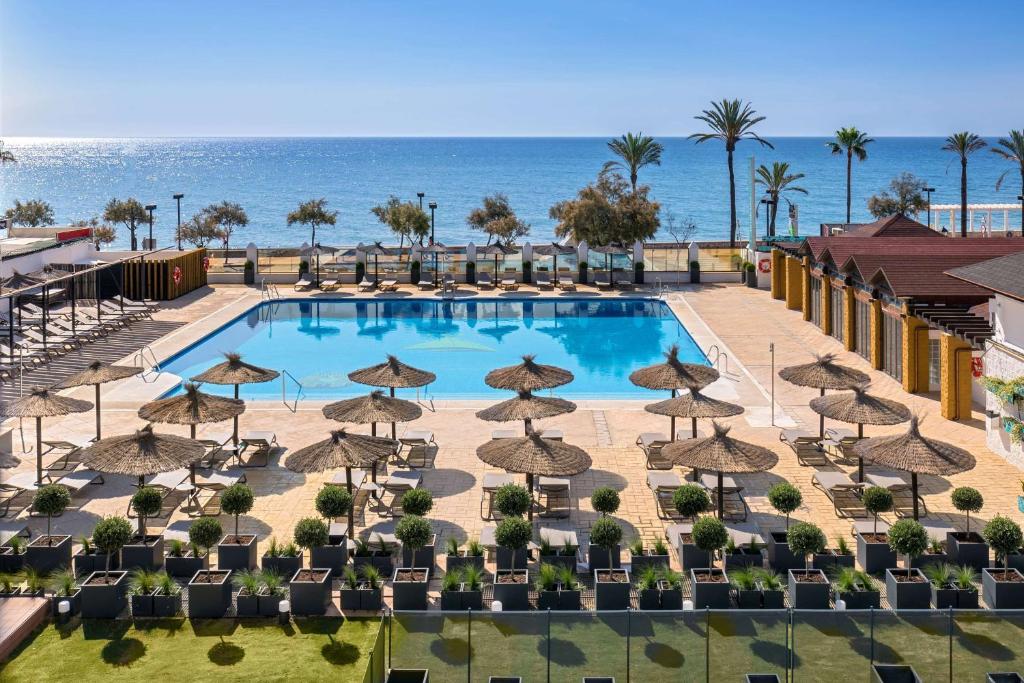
x=373, y=408
x=824, y=373
x=693, y=405
x=528, y=376
x=235, y=371
x=674, y=374
x=42, y=402
x=95, y=374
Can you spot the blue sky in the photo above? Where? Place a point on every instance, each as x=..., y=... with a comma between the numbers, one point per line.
x=156, y=68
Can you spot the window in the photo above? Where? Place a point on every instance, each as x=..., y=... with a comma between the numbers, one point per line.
x=659, y=258
x=934, y=366
x=838, y=297
x=862, y=328
x=892, y=346
x=814, y=292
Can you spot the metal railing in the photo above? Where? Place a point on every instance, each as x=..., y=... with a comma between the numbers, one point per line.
x=285, y=376
x=153, y=370
x=721, y=362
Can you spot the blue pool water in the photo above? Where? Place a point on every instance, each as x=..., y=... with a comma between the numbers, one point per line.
x=320, y=342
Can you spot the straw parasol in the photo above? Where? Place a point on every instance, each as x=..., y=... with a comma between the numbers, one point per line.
x=375, y=250
x=554, y=249
x=373, y=408
x=526, y=407
x=97, y=373
x=42, y=402
x=722, y=454
x=674, y=374
x=917, y=454
x=528, y=376
x=860, y=408
x=435, y=249
x=608, y=250
x=824, y=373
x=497, y=249
x=341, y=450
x=693, y=405
x=142, y=453
x=235, y=371
x=393, y=374
x=533, y=455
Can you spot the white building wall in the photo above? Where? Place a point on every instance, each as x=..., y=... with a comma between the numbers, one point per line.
x=1005, y=360
x=71, y=252
x=1008, y=321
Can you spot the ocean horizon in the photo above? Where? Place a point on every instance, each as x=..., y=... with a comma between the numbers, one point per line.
x=269, y=176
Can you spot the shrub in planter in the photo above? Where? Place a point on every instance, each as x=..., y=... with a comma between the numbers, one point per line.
x=1003, y=588
x=511, y=586
x=638, y=272
x=564, y=556
x=331, y=502
x=65, y=587
x=209, y=594
x=304, y=267
x=512, y=500
x=284, y=560
x=527, y=272
x=647, y=588
x=167, y=599
x=907, y=537
x=805, y=539
x=456, y=559
x=202, y=535
x=273, y=591
x=249, y=272
x=744, y=586
x=12, y=555
x=934, y=554
x=237, y=551
x=952, y=586
x=249, y=585
x=710, y=587
x=772, y=589
x=785, y=498
x=414, y=272
x=48, y=553
x=751, y=271
x=103, y=593
x=611, y=586
x=605, y=500
x=182, y=560
x=8, y=587
x=144, y=551
x=410, y=583
x=471, y=272
x=695, y=271
x=734, y=556
x=311, y=533
x=640, y=558
x=907, y=589
x=374, y=552
x=857, y=589
x=141, y=589
x=967, y=547
x=873, y=551
x=670, y=584
x=834, y=559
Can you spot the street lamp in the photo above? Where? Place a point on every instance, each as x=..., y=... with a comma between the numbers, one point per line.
x=929, y=191
x=177, y=198
x=150, y=208
x=433, y=207
x=420, y=195
x=768, y=204
x=1020, y=198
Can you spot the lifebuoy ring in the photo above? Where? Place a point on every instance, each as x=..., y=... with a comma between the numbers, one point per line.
x=206, y=263
x=977, y=367
x=765, y=265
x=177, y=275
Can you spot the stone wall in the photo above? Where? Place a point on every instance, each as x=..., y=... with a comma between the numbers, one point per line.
x=1005, y=364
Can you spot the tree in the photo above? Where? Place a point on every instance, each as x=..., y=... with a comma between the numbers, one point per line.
x=146, y=502
x=128, y=212
x=313, y=213
x=607, y=212
x=514, y=533
x=496, y=218
x=636, y=151
x=405, y=219
x=690, y=500
x=311, y=532
x=51, y=500
x=967, y=500
x=777, y=180
x=876, y=500
x=908, y=537
x=785, y=498
x=1004, y=536
x=205, y=532
x=606, y=533
x=1012, y=149
x=963, y=145
x=730, y=121
x=237, y=500
x=414, y=532
x=32, y=213
x=101, y=232
x=906, y=197
x=199, y=230
x=417, y=502
x=605, y=500
x=853, y=143
x=512, y=500
x=6, y=156
x=710, y=535
x=225, y=217
x=805, y=539
x=110, y=535
x=333, y=501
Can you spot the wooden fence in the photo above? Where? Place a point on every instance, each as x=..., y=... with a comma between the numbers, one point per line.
x=153, y=277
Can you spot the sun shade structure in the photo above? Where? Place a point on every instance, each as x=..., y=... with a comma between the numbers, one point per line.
x=143, y=453
x=435, y=249
x=554, y=249
x=373, y=408
x=375, y=250
x=917, y=454
x=609, y=250
x=236, y=371
x=674, y=374
x=95, y=374
x=392, y=374
x=496, y=250
x=722, y=454
x=341, y=450
x=528, y=376
x=526, y=407
x=42, y=402
x=824, y=373
x=693, y=405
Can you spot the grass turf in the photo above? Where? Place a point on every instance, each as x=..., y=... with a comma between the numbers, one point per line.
x=222, y=650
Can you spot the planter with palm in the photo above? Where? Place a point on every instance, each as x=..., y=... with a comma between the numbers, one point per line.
x=852, y=143
x=963, y=145
x=777, y=180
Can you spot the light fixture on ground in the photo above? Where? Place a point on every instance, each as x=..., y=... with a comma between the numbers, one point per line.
x=178, y=197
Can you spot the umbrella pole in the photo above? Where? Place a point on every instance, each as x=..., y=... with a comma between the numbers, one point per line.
x=721, y=496
x=234, y=434
x=97, y=412
x=394, y=431
x=351, y=513
x=373, y=431
x=529, y=484
x=860, y=470
x=672, y=428
x=913, y=491
x=527, y=427
x=821, y=422
x=693, y=428
x=192, y=465
x=39, y=451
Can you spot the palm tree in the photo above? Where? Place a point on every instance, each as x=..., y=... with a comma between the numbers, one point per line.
x=1012, y=149
x=854, y=143
x=730, y=121
x=963, y=144
x=6, y=156
x=636, y=151
x=777, y=180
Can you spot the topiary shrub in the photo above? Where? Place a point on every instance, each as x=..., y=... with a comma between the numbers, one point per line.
x=146, y=502
x=876, y=501
x=605, y=500
x=785, y=498
x=1004, y=536
x=311, y=532
x=967, y=500
x=417, y=502
x=205, y=532
x=470, y=272
x=690, y=500
x=414, y=532
x=806, y=539
x=512, y=500
x=414, y=272
x=51, y=500
x=110, y=535
x=908, y=537
x=333, y=501
x=237, y=500
x=607, y=534
x=513, y=533
x=709, y=534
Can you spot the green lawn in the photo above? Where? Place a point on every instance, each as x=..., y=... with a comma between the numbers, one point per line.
x=223, y=650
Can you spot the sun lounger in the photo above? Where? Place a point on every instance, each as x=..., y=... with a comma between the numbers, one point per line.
x=9, y=530
x=329, y=285
x=219, y=449
x=398, y=484
x=174, y=489
x=602, y=281
x=449, y=282
x=205, y=498
x=902, y=493
x=623, y=283
x=416, y=446
x=261, y=443
x=805, y=445
x=492, y=481
x=68, y=452
x=484, y=280
x=388, y=285
x=734, y=507
x=367, y=285
x=509, y=284
x=867, y=526
x=543, y=280
x=652, y=443
x=553, y=497
x=842, y=491
x=16, y=493
x=304, y=283
x=664, y=485
x=504, y=434
x=565, y=283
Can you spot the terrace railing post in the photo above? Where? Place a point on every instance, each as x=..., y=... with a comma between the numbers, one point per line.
x=791, y=650
x=388, y=616
x=74, y=316
x=950, y=624
x=45, y=303
x=10, y=328
x=629, y=629
x=469, y=647
x=707, y=644
x=871, y=618
x=549, y=645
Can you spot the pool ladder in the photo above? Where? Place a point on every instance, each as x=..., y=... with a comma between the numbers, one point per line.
x=294, y=405
x=721, y=362
x=140, y=361
x=268, y=291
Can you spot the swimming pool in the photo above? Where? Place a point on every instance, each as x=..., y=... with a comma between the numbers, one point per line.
x=320, y=341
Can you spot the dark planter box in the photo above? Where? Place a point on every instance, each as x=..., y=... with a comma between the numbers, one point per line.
x=638, y=563
x=457, y=562
x=167, y=605
x=87, y=563
x=75, y=600
x=247, y=605
x=829, y=561
x=671, y=598
x=748, y=599
x=609, y=595
x=451, y=601
x=148, y=555
x=11, y=563
x=807, y=595
x=780, y=557
x=860, y=599
x=1001, y=594
x=47, y=558
x=772, y=599
x=944, y=598
x=598, y=557
x=752, y=279
x=1004, y=677
x=209, y=600
x=372, y=599
x=410, y=595
x=695, y=275
x=922, y=561
x=282, y=566
x=894, y=673
x=104, y=601
x=333, y=557
x=407, y=676
x=648, y=598
x=969, y=549
x=874, y=557
x=350, y=599
x=742, y=559
x=462, y=600
x=268, y=605
x=714, y=595
x=761, y=678
x=504, y=679
x=237, y=556
x=504, y=558
x=187, y=566
x=142, y=604
x=424, y=557
x=570, y=600
x=692, y=557
x=311, y=597
x=906, y=594
x=513, y=596
x=568, y=561
x=383, y=563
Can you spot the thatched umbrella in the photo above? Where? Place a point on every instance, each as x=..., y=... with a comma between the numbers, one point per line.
x=236, y=371
x=674, y=374
x=393, y=374
x=497, y=249
x=693, y=405
x=608, y=250
x=528, y=376
x=722, y=454
x=435, y=249
x=860, y=408
x=373, y=408
x=917, y=454
x=341, y=450
x=97, y=373
x=526, y=407
x=824, y=373
x=554, y=249
x=192, y=408
x=375, y=250
x=42, y=402
x=533, y=455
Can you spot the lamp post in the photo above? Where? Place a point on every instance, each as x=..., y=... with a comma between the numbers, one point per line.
x=768, y=204
x=928, y=191
x=433, y=208
x=421, y=195
x=150, y=208
x=177, y=198
x=316, y=247
x=1020, y=198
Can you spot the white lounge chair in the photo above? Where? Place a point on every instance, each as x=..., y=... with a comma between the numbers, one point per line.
x=304, y=283
x=664, y=485
x=509, y=284
x=565, y=283
x=261, y=442
x=842, y=491
x=651, y=443
x=542, y=279
x=415, y=447
x=367, y=285
x=388, y=285
x=484, y=280
x=329, y=285
x=602, y=281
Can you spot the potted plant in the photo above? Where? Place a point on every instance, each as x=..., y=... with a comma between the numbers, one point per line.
x=65, y=587
x=606, y=501
x=512, y=585
x=407, y=676
x=744, y=585
x=710, y=586
x=647, y=589
x=873, y=551
x=209, y=594
x=935, y=553
x=144, y=551
x=638, y=272
x=527, y=272
x=967, y=547
x=455, y=559
x=375, y=552
x=471, y=272
x=8, y=588
x=772, y=589
x=691, y=500
x=512, y=500
x=418, y=502
x=249, y=585
x=1003, y=588
x=907, y=588
x=952, y=587
x=237, y=551
x=331, y=502
x=695, y=272
x=751, y=275
x=310, y=590
x=167, y=598
x=12, y=555
x=141, y=589
x=546, y=584
x=611, y=585
x=249, y=272
x=785, y=498
x=640, y=557
x=808, y=588
x=271, y=594
x=104, y=593
x=834, y=559
x=304, y=268
x=451, y=590
x=857, y=589
x=671, y=586
x=183, y=559
x=409, y=584
x=284, y=560
x=48, y=553
x=202, y=535
x=738, y=557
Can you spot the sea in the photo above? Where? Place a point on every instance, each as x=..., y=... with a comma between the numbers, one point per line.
x=270, y=176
